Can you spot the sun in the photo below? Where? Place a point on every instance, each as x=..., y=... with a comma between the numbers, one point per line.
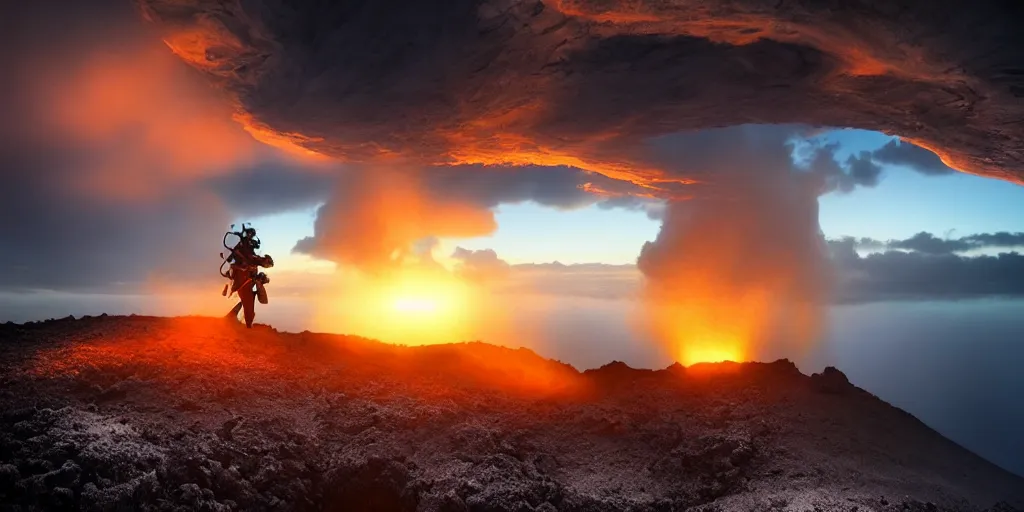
x=410, y=306
x=424, y=305
x=423, y=295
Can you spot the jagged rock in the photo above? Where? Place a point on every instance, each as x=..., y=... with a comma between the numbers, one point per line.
x=338, y=423
x=831, y=380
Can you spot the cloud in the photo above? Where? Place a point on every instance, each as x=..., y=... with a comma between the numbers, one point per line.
x=928, y=243
x=1000, y=239
x=654, y=208
x=375, y=218
x=479, y=265
x=375, y=215
x=743, y=265
x=120, y=167
x=55, y=240
x=271, y=187
x=584, y=83
x=864, y=171
x=914, y=157
x=885, y=276
x=896, y=275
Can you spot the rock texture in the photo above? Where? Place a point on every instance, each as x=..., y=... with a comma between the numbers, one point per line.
x=117, y=413
x=581, y=82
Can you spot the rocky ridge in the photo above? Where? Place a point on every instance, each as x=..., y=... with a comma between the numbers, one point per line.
x=148, y=413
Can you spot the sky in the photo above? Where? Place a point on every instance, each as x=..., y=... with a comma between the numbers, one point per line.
x=590, y=192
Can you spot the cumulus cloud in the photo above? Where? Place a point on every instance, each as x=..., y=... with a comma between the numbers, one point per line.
x=375, y=218
x=479, y=265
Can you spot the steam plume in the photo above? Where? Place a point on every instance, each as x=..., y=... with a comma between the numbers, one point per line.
x=743, y=267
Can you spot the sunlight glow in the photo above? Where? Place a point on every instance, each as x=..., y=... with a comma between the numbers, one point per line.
x=416, y=305
x=701, y=329
x=409, y=306
x=711, y=351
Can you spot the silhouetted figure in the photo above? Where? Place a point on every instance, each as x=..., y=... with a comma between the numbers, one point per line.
x=246, y=280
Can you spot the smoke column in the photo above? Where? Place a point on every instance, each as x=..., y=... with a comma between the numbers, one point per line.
x=741, y=269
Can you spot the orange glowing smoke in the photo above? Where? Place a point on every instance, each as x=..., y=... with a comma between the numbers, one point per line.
x=859, y=55
x=736, y=277
x=715, y=321
x=376, y=218
x=709, y=330
x=147, y=121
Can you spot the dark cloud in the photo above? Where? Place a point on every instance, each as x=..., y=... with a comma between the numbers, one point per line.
x=53, y=239
x=928, y=243
x=1000, y=239
x=863, y=171
x=272, y=187
x=654, y=208
x=584, y=82
x=917, y=158
x=897, y=275
x=488, y=186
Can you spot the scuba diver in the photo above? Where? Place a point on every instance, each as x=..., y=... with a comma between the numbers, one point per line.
x=243, y=272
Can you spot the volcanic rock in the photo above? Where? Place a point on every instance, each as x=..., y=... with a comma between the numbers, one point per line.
x=831, y=380
x=319, y=422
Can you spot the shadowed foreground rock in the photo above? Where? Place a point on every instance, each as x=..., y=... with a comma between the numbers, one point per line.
x=187, y=414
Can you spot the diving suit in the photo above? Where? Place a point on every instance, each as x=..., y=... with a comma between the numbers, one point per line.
x=246, y=280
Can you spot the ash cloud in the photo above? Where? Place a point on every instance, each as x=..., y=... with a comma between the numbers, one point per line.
x=751, y=233
x=583, y=83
